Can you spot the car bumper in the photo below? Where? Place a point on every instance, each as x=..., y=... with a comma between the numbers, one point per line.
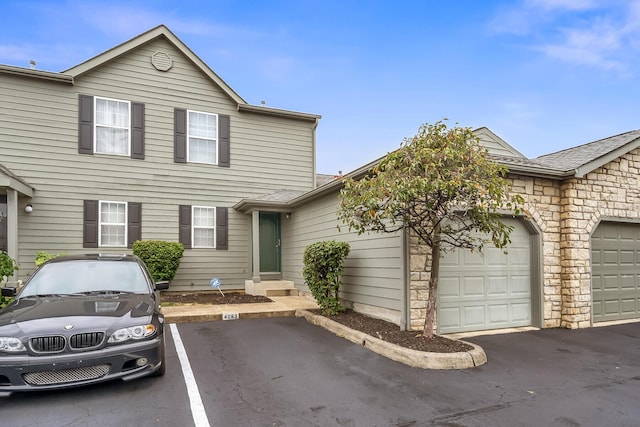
x=30, y=373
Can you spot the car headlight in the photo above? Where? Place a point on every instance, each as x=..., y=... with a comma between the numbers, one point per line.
x=134, y=333
x=11, y=345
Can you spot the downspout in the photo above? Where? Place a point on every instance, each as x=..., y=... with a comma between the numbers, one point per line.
x=313, y=147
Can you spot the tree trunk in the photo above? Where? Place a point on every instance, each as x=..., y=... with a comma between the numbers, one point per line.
x=433, y=289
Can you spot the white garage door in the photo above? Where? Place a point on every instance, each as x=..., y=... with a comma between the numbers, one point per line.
x=615, y=271
x=488, y=291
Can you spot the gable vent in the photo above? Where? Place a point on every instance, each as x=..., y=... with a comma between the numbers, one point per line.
x=161, y=61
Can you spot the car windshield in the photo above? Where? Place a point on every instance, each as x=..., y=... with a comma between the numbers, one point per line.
x=86, y=276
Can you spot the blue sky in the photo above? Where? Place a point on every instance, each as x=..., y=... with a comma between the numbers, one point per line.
x=542, y=74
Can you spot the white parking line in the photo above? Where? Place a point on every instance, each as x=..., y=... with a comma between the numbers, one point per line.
x=197, y=408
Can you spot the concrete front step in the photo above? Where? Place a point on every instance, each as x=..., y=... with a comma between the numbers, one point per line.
x=278, y=292
x=270, y=288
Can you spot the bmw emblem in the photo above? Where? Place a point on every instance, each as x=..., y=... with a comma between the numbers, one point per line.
x=68, y=327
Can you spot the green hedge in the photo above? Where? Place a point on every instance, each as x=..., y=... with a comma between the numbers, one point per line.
x=162, y=258
x=42, y=257
x=322, y=272
x=7, y=265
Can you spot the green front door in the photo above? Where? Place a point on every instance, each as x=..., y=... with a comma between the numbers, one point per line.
x=269, y=242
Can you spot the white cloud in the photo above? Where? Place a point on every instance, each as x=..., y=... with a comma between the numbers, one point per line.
x=561, y=4
x=603, y=35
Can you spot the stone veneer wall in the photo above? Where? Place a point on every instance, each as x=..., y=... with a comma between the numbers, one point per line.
x=565, y=213
x=610, y=192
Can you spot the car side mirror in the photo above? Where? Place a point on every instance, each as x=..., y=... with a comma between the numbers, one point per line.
x=8, y=292
x=162, y=285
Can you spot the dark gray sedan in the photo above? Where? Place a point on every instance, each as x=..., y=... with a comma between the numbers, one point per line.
x=82, y=319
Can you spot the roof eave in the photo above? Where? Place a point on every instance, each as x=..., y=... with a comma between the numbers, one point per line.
x=249, y=205
x=278, y=112
x=38, y=74
x=159, y=31
x=9, y=180
x=582, y=170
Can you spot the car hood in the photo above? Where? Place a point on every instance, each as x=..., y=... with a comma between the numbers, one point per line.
x=96, y=309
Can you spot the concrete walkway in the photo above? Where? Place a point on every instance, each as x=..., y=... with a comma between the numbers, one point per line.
x=280, y=307
x=289, y=306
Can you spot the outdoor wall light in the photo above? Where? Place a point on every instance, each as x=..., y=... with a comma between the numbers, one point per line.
x=28, y=208
x=288, y=215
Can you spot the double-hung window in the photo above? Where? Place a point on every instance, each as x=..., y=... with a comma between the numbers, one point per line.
x=112, y=126
x=113, y=224
x=202, y=137
x=203, y=224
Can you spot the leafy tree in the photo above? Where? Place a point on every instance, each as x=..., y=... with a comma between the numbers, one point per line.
x=443, y=187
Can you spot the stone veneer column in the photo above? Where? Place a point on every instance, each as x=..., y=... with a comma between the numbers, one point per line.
x=575, y=249
x=420, y=270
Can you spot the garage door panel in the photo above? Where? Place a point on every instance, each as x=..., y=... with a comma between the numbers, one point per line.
x=628, y=281
x=497, y=286
x=449, y=287
x=449, y=317
x=520, y=285
x=493, y=257
x=629, y=305
x=470, y=259
x=615, y=268
x=498, y=314
x=627, y=257
x=521, y=313
x=519, y=257
x=473, y=286
x=597, y=308
x=495, y=289
x=474, y=315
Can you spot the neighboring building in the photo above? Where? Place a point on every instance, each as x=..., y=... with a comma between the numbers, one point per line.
x=145, y=141
x=574, y=259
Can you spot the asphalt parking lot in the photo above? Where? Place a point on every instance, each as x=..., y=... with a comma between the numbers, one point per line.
x=286, y=372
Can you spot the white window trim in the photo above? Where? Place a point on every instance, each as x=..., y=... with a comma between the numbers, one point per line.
x=95, y=126
x=216, y=140
x=193, y=227
x=126, y=224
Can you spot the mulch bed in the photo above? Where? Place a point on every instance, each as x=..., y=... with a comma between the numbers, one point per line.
x=211, y=297
x=381, y=329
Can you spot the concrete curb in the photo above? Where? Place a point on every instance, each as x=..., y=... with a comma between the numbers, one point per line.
x=417, y=359
x=209, y=317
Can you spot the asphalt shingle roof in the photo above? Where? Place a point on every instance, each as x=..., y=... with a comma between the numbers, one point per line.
x=573, y=158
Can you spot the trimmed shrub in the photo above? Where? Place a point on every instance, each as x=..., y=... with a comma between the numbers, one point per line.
x=42, y=257
x=323, y=265
x=161, y=258
x=8, y=266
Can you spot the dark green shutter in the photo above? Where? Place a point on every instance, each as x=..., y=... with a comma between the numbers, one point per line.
x=224, y=140
x=134, y=223
x=137, y=131
x=85, y=124
x=180, y=136
x=222, y=228
x=90, y=229
x=184, y=225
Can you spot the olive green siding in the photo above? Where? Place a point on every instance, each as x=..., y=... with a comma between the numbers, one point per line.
x=373, y=273
x=39, y=143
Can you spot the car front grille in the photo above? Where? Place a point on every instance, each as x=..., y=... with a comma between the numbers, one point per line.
x=57, y=343
x=66, y=376
x=86, y=340
x=51, y=344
